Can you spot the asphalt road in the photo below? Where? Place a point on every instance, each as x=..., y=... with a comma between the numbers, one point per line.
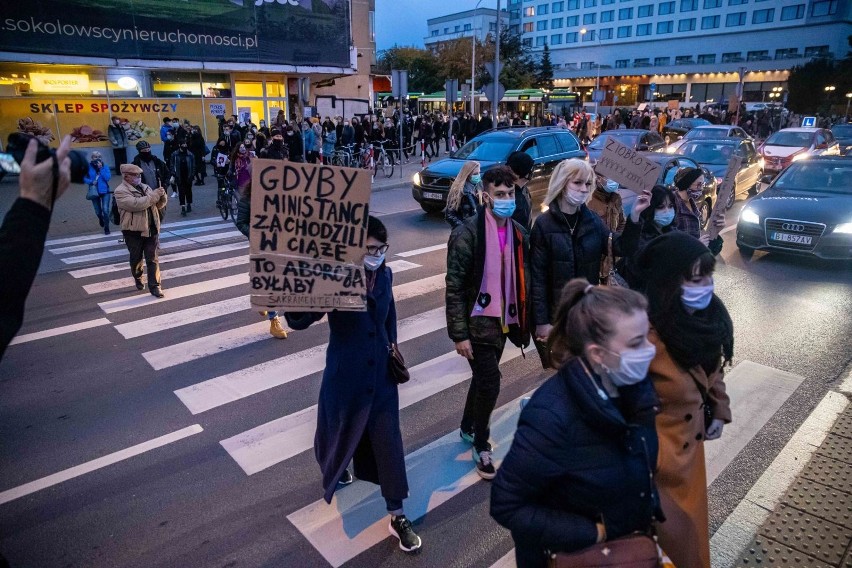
x=234, y=482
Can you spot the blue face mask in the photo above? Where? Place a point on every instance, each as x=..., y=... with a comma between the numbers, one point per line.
x=372, y=263
x=475, y=179
x=503, y=208
x=611, y=186
x=697, y=297
x=664, y=218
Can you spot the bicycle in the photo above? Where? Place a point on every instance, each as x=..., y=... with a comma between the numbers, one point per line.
x=383, y=159
x=227, y=198
x=343, y=156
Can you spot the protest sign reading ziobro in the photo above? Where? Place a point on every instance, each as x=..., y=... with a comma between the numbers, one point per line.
x=308, y=234
x=626, y=166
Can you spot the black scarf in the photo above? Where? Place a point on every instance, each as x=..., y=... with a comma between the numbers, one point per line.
x=705, y=337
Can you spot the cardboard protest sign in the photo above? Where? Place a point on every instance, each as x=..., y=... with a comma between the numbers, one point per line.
x=308, y=235
x=626, y=166
x=728, y=185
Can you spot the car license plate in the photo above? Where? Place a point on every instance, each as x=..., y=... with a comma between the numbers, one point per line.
x=788, y=238
x=431, y=195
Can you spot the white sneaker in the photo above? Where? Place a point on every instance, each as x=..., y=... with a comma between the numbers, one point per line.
x=174, y=194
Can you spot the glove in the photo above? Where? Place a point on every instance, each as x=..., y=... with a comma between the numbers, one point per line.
x=716, y=245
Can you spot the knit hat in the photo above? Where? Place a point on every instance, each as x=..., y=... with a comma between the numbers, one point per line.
x=686, y=177
x=143, y=145
x=669, y=255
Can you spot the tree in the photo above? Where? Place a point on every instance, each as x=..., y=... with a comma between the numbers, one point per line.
x=421, y=64
x=544, y=75
x=519, y=68
x=807, y=84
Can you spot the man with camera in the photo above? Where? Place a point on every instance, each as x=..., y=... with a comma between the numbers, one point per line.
x=140, y=209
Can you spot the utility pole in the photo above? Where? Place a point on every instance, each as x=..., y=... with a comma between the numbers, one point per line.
x=496, y=81
x=473, y=76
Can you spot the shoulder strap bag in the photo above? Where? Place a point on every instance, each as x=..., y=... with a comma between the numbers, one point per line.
x=608, y=274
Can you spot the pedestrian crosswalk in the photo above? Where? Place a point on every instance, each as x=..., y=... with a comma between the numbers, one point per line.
x=207, y=281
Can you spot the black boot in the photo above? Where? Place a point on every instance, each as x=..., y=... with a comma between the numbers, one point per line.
x=189, y=207
x=182, y=211
x=139, y=284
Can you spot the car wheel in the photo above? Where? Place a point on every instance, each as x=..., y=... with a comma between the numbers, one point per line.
x=745, y=252
x=705, y=212
x=432, y=209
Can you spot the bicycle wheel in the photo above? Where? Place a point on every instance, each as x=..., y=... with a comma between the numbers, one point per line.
x=387, y=165
x=223, y=211
x=233, y=203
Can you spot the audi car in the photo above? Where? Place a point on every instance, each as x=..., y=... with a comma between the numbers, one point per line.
x=807, y=210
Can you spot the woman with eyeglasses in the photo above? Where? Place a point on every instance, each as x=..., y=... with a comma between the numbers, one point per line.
x=358, y=411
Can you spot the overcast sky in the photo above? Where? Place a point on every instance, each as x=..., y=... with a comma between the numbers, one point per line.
x=403, y=22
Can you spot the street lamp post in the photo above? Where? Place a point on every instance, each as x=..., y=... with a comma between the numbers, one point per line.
x=584, y=31
x=473, y=67
x=829, y=90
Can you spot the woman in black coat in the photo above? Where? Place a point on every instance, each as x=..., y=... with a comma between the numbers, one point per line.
x=198, y=147
x=358, y=411
x=579, y=471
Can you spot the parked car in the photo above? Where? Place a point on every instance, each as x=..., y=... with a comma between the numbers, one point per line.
x=676, y=129
x=637, y=139
x=789, y=145
x=712, y=132
x=671, y=165
x=714, y=156
x=548, y=145
x=843, y=134
x=807, y=210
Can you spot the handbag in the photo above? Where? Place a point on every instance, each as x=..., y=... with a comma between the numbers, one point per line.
x=206, y=149
x=705, y=404
x=632, y=551
x=92, y=194
x=609, y=276
x=396, y=365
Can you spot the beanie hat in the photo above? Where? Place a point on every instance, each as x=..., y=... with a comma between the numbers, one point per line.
x=521, y=163
x=668, y=256
x=686, y=177
x=143, y=145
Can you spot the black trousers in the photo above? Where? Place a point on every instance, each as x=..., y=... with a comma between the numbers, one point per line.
x=483, y=393
x=200, y=168
x=185, y=192
x=140, y=246
x=120, y=155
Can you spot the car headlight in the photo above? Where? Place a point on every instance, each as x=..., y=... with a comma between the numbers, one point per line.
x=802, y=156
x=844, y=228
x=670, y=149
x=415, y=179
x=749, y=216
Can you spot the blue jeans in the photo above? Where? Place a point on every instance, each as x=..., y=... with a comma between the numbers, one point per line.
x=102, y=205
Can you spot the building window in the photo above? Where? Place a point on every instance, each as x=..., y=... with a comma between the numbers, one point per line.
x=787, y=53
x=824, y=8
x=665, y=27
x=708, y=4
x=625, y=14
x=589, y=36
x=666, y=8
x=707, y=58
x=816, y=50
x=710, y=22
x=435, y=33
x=542, y=9
x=688, y=5
x=556, y=39
x=732, y=57
x=605, y=33
x=446, y=31
x=735, y=19
x=492, y=27
x=573, y=21
x=467, y=27
x=571, y=37
x=683, y=60
x=641, y=62
x=529, y=11
x=646, y=11
x=737, y=2
x=686, y=25
x=587, y=64
x=607, y=16
x=528, y=27
x=527, y=41
x=624, y=31
x=621, y=63
x=540, y=41
x=573, y=4
x=763, y=16
x=643, y=30
x=556, y=23
x=589, y=18
x=457, y=29
x=557, y=7
x=541, y=25
x=607, y=2
x=796, y=12
x=762, y=55
x=590, y=3
x=662, y=61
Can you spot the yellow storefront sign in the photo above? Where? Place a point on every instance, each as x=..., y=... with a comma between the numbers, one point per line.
x=59, y=83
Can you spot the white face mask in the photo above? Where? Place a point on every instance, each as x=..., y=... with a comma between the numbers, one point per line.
x=574, y=198
x=372, y=263
x=697, y=297
x=633, y=367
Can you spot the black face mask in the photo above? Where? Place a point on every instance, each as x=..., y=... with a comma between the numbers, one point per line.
x=277, y=143
x=183, y=148
x=146, y=156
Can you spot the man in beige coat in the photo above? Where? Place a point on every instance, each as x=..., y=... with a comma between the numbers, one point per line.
x=140, y=208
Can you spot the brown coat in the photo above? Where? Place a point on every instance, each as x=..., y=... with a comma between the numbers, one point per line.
x=133, y=207
x=609, y=208
x=681, y=475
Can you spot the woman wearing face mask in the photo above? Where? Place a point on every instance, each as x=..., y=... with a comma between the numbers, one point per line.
x=693, y=334
x=606, y=202
x=689, y=194
x=358, y=413
x=580, y=469
x=567, y=242
x=461, y=199
x=240, y=169
x=98, y=177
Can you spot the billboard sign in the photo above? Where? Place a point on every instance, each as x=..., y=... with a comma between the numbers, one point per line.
x=294, y=32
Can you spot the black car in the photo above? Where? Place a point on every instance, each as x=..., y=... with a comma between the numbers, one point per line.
x=807, y=210
x=714, y=155
x=675, y=129
x=843, y=135
x=712, y=132
x=548, y=145
x=637, y=139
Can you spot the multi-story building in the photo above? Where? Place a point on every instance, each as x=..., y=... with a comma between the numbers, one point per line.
x=687, y=50
x=476, y=23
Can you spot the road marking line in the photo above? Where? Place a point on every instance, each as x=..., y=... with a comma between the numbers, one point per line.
x=728, y=229
x=179, y=318
x=181, y=242
x=268, y=444
x=163, y=235
x=743, y=523
x=165, y=226
x=424, y=250
x=59, y=331
x=174, y=257
x=95, y=464
x=165, y=275
x=398, y=266
x=357, y=519
x=507, y=561
x=243, y=383
x=145, y=299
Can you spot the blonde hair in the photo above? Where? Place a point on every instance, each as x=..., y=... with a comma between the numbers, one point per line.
x=454, y=196
x=565, y=171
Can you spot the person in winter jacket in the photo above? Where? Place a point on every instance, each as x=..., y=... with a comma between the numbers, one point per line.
x=358, y=410
x=295, y=144
x=522, y=166
x=486, y=302
x=140, y=207
x=580, y=469
x=99, y=176
x=118, y=139
x=485, y=123
x=240, y=168
x=155, y=172
x=198, y=147
x=694, y=338
x=276, y=150
x=182, y=166
x=166, y=128
x=606, y=202
x=329, y=142
x=308, y=139
x=461, y=199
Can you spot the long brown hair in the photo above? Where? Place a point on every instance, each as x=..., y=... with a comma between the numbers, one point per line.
x=455, y=195
x=585, y=315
